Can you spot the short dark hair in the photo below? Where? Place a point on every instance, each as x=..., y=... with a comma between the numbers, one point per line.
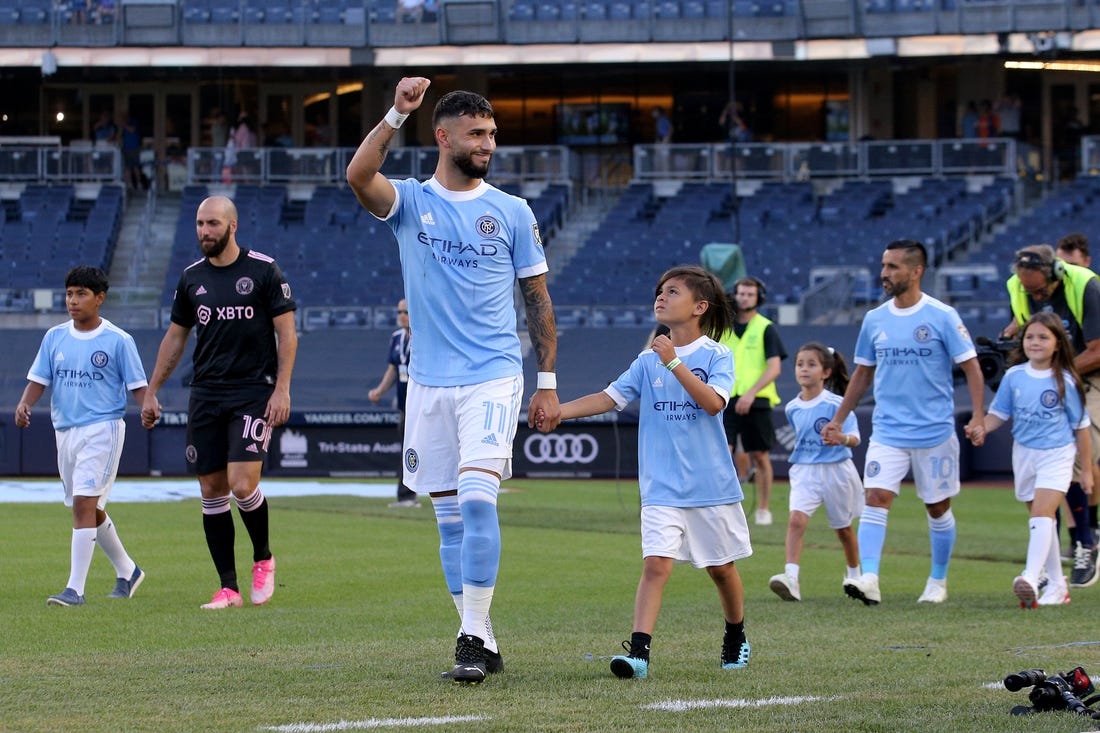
x=913, y=249
x=1075, y=242
x=86, y=276
x=456, y=104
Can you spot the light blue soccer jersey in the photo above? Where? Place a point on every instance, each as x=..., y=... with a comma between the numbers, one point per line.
x=683, y=457
x=1039, y=419
x=807, y=418
x=89, y=373
x=461, y=253
x=913, y=351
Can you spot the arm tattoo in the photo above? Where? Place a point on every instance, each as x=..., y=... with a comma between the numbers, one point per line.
x=383, y=145
x=540, y=322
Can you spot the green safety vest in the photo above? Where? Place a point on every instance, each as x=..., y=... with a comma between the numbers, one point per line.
x=1075, y=280
x=749, y=359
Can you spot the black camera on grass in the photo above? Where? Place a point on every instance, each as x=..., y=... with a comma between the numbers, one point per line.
x=1060, y=691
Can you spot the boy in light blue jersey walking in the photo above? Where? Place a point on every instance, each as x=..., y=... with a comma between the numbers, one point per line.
x=89, y=364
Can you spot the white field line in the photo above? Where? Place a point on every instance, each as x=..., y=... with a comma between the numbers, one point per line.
x=679, y=706
x=373, y=723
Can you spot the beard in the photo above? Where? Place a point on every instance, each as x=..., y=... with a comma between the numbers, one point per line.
x=215, y=248
x=469, y=168
x=894, y=289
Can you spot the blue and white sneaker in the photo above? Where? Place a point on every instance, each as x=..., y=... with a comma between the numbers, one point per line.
x=627, y=666
x=67, y=597
x=125, y=588
x=735, y=657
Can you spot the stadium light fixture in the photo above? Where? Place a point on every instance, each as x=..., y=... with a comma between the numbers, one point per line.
x=1092, y=66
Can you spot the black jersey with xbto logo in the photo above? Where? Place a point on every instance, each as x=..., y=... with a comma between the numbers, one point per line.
x=231, y=309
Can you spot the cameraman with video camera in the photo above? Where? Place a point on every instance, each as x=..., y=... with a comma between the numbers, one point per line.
x=1044, y=282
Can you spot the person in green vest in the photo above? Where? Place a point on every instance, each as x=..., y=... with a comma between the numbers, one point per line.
x=1044, y=282
x=757, y=356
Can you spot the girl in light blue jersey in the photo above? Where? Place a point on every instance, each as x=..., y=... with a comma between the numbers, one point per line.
x=821, y=473
x=1050, y=428
x=690, y=495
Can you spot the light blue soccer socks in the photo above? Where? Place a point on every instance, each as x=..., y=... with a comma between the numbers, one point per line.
x=941, y=533
x=872, y=536
x=449, y=521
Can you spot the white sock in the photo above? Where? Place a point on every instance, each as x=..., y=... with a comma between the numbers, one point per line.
x=475, y=610
x=457, y=598
x=83, y=545
x=107, y=539
x=791, y=569
x=1038, y=547
x=1054, y=560
x=853, y=572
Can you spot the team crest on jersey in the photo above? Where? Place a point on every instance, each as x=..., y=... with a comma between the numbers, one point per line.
x=191, y=453
x=202, y=313
x=819, y=424
x=412, y=460
x=244, y=286
x=873, y=469
x=487, y=226
x=961, y=328
x=703, y=376
x=922, y=333
x=1049, y=398
x=99, y=359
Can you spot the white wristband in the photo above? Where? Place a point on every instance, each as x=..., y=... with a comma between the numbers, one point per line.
x=547, y=380
x=394, y=118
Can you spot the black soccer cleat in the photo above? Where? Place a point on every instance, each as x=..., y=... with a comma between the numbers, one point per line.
x=494, y=663
x=470, y=661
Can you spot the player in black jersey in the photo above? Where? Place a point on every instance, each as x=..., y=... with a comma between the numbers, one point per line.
x=240, y=304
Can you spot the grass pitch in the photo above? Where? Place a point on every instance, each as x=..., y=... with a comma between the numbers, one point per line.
x=361, y=625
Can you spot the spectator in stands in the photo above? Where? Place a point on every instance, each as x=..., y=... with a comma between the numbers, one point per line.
x=691, y=499
x=968, y=125
x=907, y=348
x=105, y=130
x=1010, y=112
x=1042, y=282
x=1074, y=249
x=320, y=132
x=131, y=152
x=988, y=124
x=243, y=136
x=240, y=303
x=757, y=355
x=105, y=11
x=466, y=376
x=219, y=128
x=662, y=126
x=733, y=123
x=87, y=414
x=397, y=372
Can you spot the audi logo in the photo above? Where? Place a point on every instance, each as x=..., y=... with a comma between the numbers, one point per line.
x=564, y=448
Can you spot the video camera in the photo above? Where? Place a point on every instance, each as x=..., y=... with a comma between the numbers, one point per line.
x=1054, y=692
x=994, y=358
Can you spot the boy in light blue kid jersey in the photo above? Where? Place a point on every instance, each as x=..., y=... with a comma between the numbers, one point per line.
x=89, y=364
x=690, y=495
x=907, y=347
x=463, y=246
x=1050, y=428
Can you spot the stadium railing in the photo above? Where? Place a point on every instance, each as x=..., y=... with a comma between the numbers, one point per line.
x=367, y=23
x=802, y=161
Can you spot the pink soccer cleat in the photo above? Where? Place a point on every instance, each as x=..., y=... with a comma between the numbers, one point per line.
x=263, y=581
x=224, y=598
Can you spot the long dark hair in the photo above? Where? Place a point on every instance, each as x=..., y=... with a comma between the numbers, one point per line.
x=718, y=317
x=1062, y=361
x=832, y=360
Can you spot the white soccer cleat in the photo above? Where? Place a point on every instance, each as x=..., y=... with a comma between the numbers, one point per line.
x=864, y=588
x=935, y=591
x=785, y=587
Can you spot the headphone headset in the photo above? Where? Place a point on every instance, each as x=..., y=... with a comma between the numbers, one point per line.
x=761, y=288
x=1054, y=268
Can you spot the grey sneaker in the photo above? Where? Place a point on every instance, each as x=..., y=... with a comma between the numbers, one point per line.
x=125, y=588
x=67, y=597
x=1084, y=566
